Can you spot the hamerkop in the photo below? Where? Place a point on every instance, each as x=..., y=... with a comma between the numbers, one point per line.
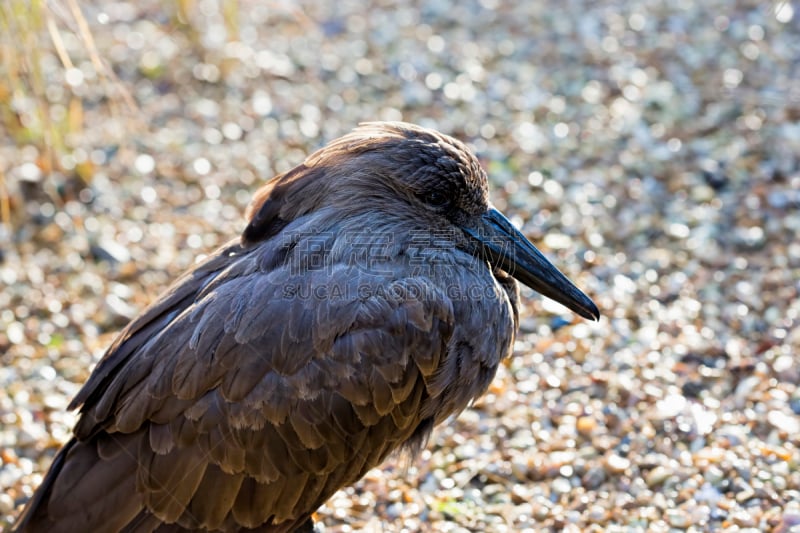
x=371, y=295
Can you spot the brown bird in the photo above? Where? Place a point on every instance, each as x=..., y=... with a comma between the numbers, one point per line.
x=371, y=295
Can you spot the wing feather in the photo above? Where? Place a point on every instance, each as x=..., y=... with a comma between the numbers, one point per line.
x=247, y=405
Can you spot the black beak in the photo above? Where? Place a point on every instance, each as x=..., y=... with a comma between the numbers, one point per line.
x=505, y=247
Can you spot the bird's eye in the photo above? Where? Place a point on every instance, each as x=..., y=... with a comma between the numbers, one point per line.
x=437, y=199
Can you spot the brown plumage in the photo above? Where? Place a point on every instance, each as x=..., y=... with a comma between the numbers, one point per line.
x=369, y=297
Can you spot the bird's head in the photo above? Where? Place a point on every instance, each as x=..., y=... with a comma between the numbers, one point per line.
x=397, y=169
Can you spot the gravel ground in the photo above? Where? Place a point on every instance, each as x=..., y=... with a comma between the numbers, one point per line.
x=652, y=149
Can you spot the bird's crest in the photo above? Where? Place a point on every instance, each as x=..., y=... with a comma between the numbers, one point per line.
x=396, y=145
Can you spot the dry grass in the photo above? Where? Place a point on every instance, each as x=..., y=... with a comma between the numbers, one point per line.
x=44, y=50
x=31, y=38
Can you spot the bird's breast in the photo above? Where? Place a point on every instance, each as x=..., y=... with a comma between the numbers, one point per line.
x=408, y=304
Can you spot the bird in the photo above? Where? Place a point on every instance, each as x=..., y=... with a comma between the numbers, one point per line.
x=372, y=294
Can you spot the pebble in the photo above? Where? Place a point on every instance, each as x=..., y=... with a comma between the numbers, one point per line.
x=616, y=464
x=790, y=519
x=6, y=504
x=657, y=476
x=561, y=485
x=678, y=518
x=787, y=423
x=586, y=425
x=594, y=477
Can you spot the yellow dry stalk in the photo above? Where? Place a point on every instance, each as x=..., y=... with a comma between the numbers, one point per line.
x=230, y=14
x=26, y=113
x=28, y=32
x=5, y=201
x=94, y=56
x=191, y=24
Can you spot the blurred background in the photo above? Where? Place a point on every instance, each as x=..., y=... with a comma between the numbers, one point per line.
x=651, y=149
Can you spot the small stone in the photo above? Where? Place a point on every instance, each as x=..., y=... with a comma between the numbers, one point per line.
x=586, y=425
x=657, y=476
x=708, y=493
x=561, y=485
x=790, y=521
x=520, y=470
x=783, y=422
x=702, y=193
x=677, y=518
x=30, y=434
x=794, y=404
x=743, y=518
x=594, y=477
x=714, y=475
x=597, y=514
x=6, y=504
x=111, y=251
x=671, y=406
x=745, y=494
x=778, y=199
x=616, y=464
x=745, y=388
